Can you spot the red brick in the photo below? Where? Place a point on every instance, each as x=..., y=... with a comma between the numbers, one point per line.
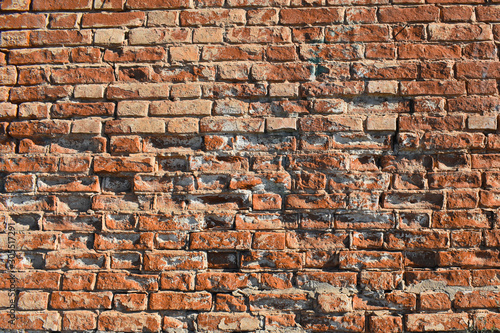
x=268, y=16
x=174, y=260
x=60, y=37
x=222, y=321
x=79, y=320
x=429, y=51
x=466, y=258
x=465, y=238
x=485, y=277
x=63, y=21
x=315, y=89
x=221, y=240
x=460, y=220
x=337, y=279
x=480, y=50
x=380, y=51
x=32, y=320
x=229, y=303
x=459, y=32
x=82, y=75
x=449, y=87
x=78, y=281
x=289, y=72
x=39, y=93
x=435, y=301
x=478, y=70
x=12, y=5
x=361, y=15
x=177, y=281
x=357, y=33
x=408, y=14
x=123, y=281
x=15, y=39
x=488, y=13
x=157, y=4
x=258, y=35
x=132, y=322
x=130, y=302
x=266, y=201
x=38, y=56
x=135, y=54
x=353, y=322
x=169, y=300
x=449, y=322
x=224, y=281
x=473, y=104
x=476, y=299
x=123, y=164
x=358, y=260
x=311, y=16
x=458, y=199
x=455, y=180
x=413, y=200
x=457, y=13
x=212, y=17
x=102, y=20
x=330, y=302
x=486, y=321
x=22, y=21
x=86, y=54
x=282, y=301
x=454, y=141
x=315, y=201
x=268, y=241
x=57, y=5
x=271, y=259
x=317, y=240
x=81, y=260
x=32, y=300
x=373, y=280
x=80, y=300
x=19, y=183
x=386, y=324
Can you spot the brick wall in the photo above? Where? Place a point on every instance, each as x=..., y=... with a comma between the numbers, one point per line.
x=245, y=165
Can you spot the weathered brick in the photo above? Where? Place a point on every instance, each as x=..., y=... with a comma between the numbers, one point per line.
x=79, y=320
x=63, y=21
x=32, y=320
x=135, y=322
x=357, y=33
x=222, y=321
x=152, y=36
x=60, y=37
x=212, y=17
x=459, y=32
x=169, y=300
x=175, y=260
x=448, y=322
x=80, y=300
x=103, y=20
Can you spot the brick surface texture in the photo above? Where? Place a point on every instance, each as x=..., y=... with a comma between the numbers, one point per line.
x=250, y=165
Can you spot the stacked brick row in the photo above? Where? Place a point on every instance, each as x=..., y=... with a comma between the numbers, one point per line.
x=250, y=165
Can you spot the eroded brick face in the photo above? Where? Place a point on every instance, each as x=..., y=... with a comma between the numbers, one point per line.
x=250, y=165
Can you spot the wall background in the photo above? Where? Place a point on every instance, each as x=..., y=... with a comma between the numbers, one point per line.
x=244, y=165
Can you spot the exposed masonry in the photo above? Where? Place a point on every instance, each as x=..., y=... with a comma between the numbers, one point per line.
x=250, y=165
